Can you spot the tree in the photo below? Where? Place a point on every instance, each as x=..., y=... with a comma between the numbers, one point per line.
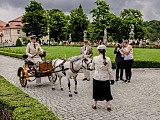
x=152, y=29
x=35, y=20
x=102, y=19
x=131, y=16
x=78, y=22
x=57, y=24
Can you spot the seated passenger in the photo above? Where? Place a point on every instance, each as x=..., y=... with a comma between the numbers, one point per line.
x=33, y=50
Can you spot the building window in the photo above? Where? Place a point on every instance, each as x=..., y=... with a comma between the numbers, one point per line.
x=18, y=32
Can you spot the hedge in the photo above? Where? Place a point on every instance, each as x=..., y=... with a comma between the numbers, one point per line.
x=21, y=105
x=136, y=64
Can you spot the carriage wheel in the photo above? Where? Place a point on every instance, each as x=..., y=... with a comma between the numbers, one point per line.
x=22, y=78
x=52, y=78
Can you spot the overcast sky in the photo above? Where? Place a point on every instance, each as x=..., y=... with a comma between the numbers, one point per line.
x=11, y=9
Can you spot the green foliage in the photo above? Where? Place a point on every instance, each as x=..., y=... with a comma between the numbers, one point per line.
x=129, y=17
x=25, y=40
x=57, y=24
x=24, y=107
x=78, y=23
x=131, y=37
x=35, y=20
x=110, y=39
x=18, y=42
x=152, y=29
x=101, y=18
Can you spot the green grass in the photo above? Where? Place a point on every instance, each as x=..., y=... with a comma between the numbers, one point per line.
x=140, y=54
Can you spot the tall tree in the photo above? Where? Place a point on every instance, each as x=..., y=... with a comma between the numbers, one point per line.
x=131, y=16
x=35, y=20
x=78, y=22
x=57, y=24
x=152, y=29
x=101, y=18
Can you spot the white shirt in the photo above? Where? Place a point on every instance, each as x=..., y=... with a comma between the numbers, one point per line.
x=102, y=72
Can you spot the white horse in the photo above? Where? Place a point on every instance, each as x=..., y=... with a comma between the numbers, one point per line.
x=69, y=68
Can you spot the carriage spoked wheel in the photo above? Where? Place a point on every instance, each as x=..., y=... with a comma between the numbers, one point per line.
x=22, y=77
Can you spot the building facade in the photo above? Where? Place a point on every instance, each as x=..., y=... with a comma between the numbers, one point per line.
x=11, y=31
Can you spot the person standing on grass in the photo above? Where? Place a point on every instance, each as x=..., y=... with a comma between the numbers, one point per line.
x=87, y=51
x=102, y=78
x=127, y=51
x=119, y=59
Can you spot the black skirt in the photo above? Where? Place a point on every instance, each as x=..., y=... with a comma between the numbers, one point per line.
x=101, y=90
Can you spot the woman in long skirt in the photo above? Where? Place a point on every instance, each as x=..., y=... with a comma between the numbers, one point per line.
x=102, y=78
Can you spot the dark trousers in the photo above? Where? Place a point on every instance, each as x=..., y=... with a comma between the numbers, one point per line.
x=119, y=67
x=128, y=66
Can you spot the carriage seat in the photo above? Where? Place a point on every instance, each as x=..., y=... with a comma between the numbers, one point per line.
x=26, y=61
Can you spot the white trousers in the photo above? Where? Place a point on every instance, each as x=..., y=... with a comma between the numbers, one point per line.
x=35, y=60
x=86, y=73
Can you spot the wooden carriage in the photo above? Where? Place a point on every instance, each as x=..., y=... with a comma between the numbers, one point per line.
x=29, y=69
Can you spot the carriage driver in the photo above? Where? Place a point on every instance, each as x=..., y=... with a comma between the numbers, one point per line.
x=32, y=50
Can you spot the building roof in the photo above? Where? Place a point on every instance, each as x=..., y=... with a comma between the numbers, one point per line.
x=19, y=19
x=16, y=23
x=2, y=25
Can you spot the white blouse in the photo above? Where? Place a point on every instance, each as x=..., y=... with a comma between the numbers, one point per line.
x=102, y=72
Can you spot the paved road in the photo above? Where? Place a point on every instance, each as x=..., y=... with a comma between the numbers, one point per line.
x=138, y=100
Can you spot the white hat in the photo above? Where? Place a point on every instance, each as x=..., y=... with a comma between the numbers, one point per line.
x=33, y=36
x=101, y=47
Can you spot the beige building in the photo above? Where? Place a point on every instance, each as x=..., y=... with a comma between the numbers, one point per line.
x=11, y=31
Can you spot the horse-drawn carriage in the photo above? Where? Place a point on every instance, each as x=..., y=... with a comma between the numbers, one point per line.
x=30, y=69
x=68, y=68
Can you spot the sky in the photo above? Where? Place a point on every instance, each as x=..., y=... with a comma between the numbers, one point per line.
x=11, y=9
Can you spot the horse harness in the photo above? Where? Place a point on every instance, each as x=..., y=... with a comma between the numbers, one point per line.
x=61, y=66
x=86, y=63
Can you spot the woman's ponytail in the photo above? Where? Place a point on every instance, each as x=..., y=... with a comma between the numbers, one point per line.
x=103, y=51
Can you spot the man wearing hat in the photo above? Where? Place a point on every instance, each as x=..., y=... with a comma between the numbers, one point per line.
x=87, y=51
x=32, y=50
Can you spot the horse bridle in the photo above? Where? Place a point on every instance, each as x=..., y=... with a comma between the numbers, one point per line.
x=86, y=64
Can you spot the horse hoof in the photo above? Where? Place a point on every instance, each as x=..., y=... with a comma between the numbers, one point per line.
x=75, y=92
x=61, y=89
x=70, y=95
x=53, y=88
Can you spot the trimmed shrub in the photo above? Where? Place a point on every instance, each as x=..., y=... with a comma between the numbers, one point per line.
x=21, y=105
x=18, y=42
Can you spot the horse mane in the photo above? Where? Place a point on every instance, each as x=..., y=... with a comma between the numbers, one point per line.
x=75, y=58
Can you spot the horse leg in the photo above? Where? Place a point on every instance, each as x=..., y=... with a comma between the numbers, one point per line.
x=75, y=80
x=60, y=83
x=69, y=86
x=53, y=80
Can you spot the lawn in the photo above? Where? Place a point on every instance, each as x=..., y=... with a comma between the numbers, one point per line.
x=140, y=54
